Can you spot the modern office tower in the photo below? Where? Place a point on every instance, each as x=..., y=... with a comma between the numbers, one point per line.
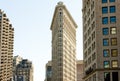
x=101, y=38
x=48, y=71
x=6, y=48
x=63, y=45
x=24, y=70
x=79, y=70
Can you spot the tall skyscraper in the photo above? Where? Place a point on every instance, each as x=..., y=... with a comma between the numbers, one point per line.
x=23, y=70
x=6, y=48
x=63, y=45
x=101, y=38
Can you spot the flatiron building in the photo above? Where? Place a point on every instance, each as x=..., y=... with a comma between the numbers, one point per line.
x=63, y=45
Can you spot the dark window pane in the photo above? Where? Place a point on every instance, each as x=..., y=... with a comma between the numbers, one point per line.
x=105, y=20
x=105, y=42
x=112, y=0
x=104, y=1
x=112, y=9
x=105, y=31
x=114, y=76
x=106, y=53
x=113, y=19
x=104, y=10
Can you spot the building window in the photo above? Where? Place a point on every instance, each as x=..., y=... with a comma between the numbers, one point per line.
x=93, y=57
x=89, y=40
x=106, y=64
x=113, y=30
x=106, y=76
x=113, y=19
x=106, y=53
x=93, y=46
x=93, y=35
x=104, y=1
x=93, y=25
x=104, y=10
x=89, y=60
x=115, y=76
x=105, y=42
x=105, y=31
x=114, y=52
x=114, y=63
x=105, y=20
x=89, y=50
x=112, y=9
x=113, y=41
x=112, y=0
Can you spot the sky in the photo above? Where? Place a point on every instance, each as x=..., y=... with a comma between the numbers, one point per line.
x=31, y=20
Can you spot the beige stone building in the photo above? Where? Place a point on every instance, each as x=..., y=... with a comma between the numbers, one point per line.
x=23, y=70
x=101, y=38
x=6, y=48
x=79, y=70
x=63, y=45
